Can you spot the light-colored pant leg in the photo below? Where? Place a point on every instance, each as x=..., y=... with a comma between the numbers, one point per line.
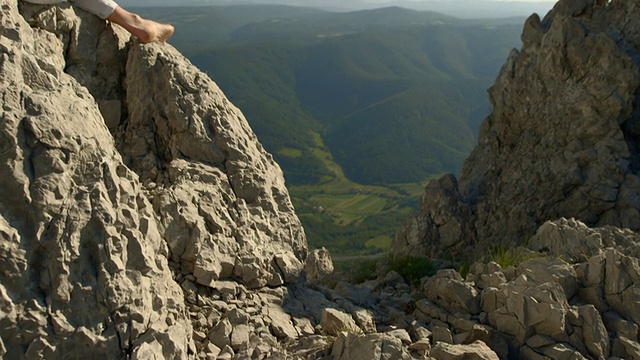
x=45, y=2
x=100, y=8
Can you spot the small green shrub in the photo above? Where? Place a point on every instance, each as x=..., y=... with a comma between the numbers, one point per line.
x=412, y=268
x=355, y=270
x=506, y=256
x=365, y=270
x=464, y=267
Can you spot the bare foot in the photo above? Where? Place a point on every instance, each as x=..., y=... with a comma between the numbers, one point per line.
x=154, y=32
x=147, y=31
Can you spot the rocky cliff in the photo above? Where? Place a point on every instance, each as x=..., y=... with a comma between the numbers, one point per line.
x=562, y=140
x=125, y=174
x=141, y=219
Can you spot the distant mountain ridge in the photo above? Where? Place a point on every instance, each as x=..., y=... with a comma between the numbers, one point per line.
x=469, y=9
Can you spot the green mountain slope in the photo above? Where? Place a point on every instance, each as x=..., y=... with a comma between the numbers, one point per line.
x=358, y=108
x=393, y=103
x=403, y=138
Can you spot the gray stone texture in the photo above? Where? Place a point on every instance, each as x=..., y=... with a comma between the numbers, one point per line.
x=561, y=141
x=140, y=217
x=123, y=165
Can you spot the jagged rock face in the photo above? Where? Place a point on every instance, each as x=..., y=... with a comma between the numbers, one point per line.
x=561, y=141
x=84, y=267
x=91, y=227
x=579, y=307
x=220, y=197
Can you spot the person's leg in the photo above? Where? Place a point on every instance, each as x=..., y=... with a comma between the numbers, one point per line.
x=145, y=30
x=100, y=8
x=45, y=2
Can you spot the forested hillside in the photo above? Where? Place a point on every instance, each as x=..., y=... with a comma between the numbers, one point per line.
x=351, y=103
x=396, y=94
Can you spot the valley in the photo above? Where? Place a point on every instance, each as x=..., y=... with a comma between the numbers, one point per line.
x=360, y=109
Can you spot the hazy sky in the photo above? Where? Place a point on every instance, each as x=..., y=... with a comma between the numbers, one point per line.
x=458, y=8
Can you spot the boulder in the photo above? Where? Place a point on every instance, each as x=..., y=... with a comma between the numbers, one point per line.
x=370, y=346
x=622, y=284
x=419, y=332
x=335, y=321
x=318, y=265
x=526, y=309
x=401, y=334
x=568, y=238
x=630, y=349
x=574, y=241
x=594, y=332
x=550, y=269
x=448, y=290
x=281, y=324
x=486, y=275
x=220, y=334
x=620, y=326
x=474, y=351
x=441, y=334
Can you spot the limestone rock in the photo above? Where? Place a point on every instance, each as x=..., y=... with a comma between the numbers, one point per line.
x=623, y=328
x=419, y=332
x=220, y=335
x=219, y=195
x=450, y=292
x=561, y=141
x=561, y=352
x=359, y=295
x=486, y=275
x=568, y=238
x=140, y=217
x=370, y=346
x=523, y=309
x=630, y=348
x=240, y=337
x=281, y=323
x=622, y=284
x=86, y=262
x=118, y=160
x=442, y=335
x=491, y=337
x=542, y=270
x=318, y=265
x=594, y=332
x=401, y=334
x=312, y=347
x=574, y=241
x=335, y=321
x=477, y=350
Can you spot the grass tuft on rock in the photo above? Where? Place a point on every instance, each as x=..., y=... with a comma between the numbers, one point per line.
x=506, y=256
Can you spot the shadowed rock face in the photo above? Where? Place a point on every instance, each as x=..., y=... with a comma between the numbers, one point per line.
x=562, y=140
x=122, y=167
